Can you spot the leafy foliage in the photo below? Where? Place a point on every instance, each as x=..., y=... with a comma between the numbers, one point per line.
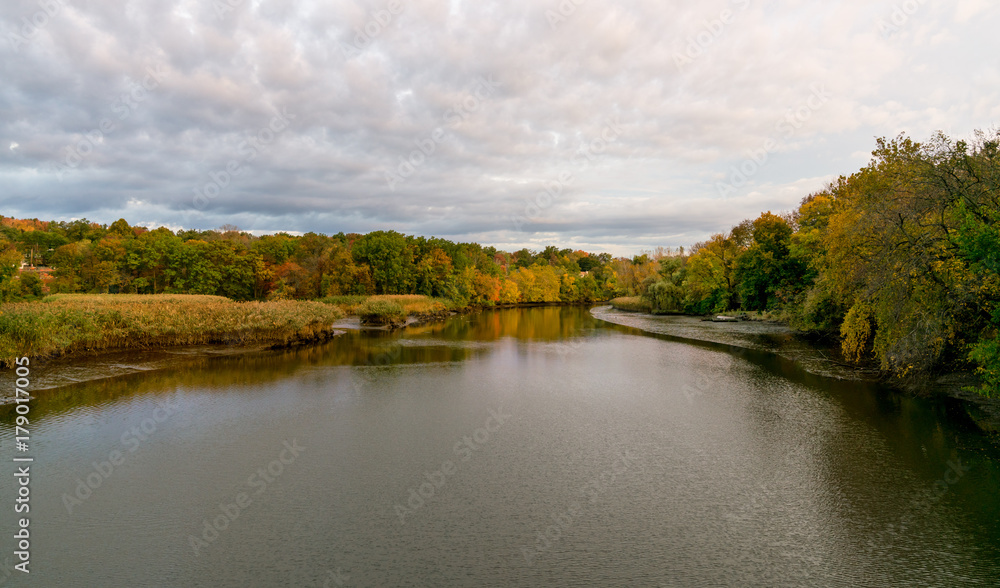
x=85, y=257
x=901, y=260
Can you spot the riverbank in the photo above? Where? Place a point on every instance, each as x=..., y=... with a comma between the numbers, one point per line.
x=393, y=311
x=65, y=324
x=390, y=305
x=759, y=335
x=55, y=371
x=813, y=357
x=70, y=324
x=631, y=304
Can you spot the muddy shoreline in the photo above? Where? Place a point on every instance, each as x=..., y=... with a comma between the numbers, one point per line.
x=78, y=365
x=812, y=356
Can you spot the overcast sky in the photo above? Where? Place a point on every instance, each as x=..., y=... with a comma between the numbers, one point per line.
x=649, y=122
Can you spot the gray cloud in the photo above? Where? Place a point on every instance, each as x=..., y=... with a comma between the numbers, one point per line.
x=130, y=110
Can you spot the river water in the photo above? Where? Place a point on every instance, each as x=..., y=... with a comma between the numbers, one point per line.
x=525, y=447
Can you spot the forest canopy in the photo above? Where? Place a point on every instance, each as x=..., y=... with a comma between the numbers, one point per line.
x=82, y=256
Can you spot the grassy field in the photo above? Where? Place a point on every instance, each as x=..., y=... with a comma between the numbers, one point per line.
x=65, y=323
x=631, y=303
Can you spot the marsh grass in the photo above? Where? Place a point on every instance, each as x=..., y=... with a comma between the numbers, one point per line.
x=66, y=323
x=632, y=304
x=346, y=302
x=381, y=312
x=411, y=304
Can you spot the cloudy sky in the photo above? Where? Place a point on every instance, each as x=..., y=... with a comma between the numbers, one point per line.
x=613, y=126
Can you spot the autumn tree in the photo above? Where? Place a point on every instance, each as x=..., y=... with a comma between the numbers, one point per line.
x=767, y=275
x=390, y=260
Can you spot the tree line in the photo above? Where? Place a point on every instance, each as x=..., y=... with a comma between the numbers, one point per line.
x=82, y=256
x=900, y=260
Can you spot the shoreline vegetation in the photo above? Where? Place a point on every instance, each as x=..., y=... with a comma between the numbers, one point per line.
x=392, y=310
x=63, y=324
x=897, y=263
x=67, y=324
x=631, y=304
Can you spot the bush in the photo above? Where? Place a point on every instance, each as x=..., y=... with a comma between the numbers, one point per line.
x=31, y=285
x=986, y=353
x=665, y=297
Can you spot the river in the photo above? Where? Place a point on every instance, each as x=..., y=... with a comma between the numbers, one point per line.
x=522, y=447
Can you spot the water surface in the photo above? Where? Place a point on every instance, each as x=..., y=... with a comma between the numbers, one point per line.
x=530, y=447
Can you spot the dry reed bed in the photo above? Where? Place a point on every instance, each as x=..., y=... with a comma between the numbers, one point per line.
x=412, y=304
x=66, y=323
x=632, y=304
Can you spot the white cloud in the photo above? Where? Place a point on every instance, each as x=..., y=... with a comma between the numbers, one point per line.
x=358, y=112
x=967, y=9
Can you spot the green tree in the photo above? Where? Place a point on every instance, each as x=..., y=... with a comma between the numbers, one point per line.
x=434, y=273
x=390, y=260
x=765, y=271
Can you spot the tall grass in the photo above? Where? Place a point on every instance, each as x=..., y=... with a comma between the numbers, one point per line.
x=64, y=323
x=412, y=304
x=632, y=304
x=345, y=302
x=381, y=312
